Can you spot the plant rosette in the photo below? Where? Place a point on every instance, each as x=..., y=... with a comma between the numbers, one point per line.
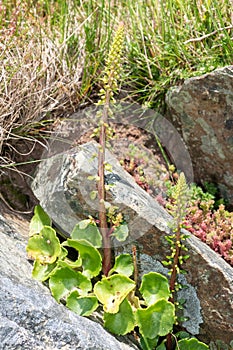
x=81, y=286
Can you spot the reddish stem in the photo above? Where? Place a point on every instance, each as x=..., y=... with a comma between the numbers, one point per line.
x=169, y=342
x=101, y=191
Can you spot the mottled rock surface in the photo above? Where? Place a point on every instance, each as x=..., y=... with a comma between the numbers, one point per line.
x=202, y=111
x=63, y=188
x=30, y=318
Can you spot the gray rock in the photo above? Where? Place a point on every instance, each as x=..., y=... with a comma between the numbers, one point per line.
x=30, y=318
x=62, y=186
x=202, y=111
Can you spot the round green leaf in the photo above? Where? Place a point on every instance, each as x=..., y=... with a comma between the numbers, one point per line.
x=87, y=230
x=121, y=232
x=83, y=306
x=64, y=253
x=42, y=272
x=38, y=221
x=121, y=322
x=44, y=247
x=69, y=263
x=191, y=344
x=183, y=334
x=148, y=344
x=64, y=280
x=157, y=319
x=154, y=286
x=162, y=346
x=123, y=265
x=89, y=257
x=111, y=291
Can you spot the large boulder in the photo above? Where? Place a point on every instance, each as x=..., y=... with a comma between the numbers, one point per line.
x=30, y=318
x=202, y=111
x=63, y=188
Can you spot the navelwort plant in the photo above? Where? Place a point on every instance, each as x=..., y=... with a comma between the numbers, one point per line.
x=90, y=281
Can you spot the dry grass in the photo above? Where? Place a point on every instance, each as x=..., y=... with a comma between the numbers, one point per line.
x=36, y=84
x=37, y=79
